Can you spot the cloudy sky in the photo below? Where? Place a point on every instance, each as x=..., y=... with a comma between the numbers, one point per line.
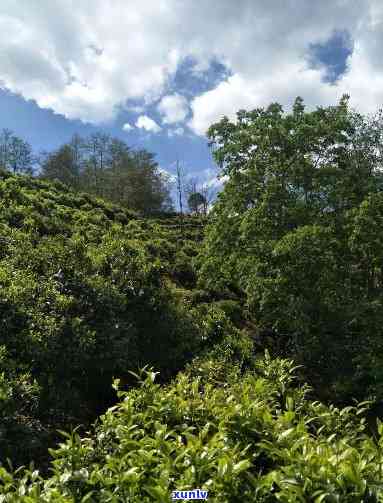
x=157, y=73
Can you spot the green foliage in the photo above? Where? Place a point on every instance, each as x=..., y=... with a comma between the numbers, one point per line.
x=183, y=270
x=108, y=168
x=89, y=291
x=298, y=231
x=83, y=299
x=232, y=309
x=196, y=200
x=62, y=166
x=253, y=438
x=21, y=432
x=15, y=153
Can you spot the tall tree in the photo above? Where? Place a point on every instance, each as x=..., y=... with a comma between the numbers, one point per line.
x=78, y=146
x=196, y=202
x=108, y=168
x=199, y=196
x=98, y=149
x=62, y=165
x=15, y=153
x=283, y=226
x=180, y=188
x=5, y=139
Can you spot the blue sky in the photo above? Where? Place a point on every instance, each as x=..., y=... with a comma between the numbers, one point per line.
x=332, y=55
x=158, y=74
x=45, y=130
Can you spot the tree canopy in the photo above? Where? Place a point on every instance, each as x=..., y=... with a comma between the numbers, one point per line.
x=15, y=153
x=107, y=167
x=196, y=201
x=297, y=230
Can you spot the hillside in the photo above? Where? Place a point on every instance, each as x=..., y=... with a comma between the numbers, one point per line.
x=166, y=348
x=87, y=288
x=90, y=291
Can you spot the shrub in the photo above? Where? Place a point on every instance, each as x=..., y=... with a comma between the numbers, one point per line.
x=183, y=270
x=82, y=300
x=232, y=309
x=255, y=438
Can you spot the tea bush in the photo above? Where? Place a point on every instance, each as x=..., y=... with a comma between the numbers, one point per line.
x=90, y=292
x=253, y=438
x=83, y=299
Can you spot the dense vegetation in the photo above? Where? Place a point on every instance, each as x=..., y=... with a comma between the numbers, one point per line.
x=298, y=230
x=210, y=326
x=253, y=437
x=100, y=165
x=83, y=298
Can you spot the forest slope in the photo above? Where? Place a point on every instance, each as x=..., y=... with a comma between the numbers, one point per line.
x=87, y=293
x=181, y=316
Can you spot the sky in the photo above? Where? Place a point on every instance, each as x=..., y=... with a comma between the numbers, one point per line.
x=158, y=73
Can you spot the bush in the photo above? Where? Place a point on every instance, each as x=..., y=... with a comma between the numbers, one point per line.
x=82, y=300
x=183, y=270
x=232, y=309
x=255, y=438
x=83, y=313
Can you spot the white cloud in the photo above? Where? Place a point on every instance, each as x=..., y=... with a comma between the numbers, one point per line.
x=238, y=92
x=127, y=127
x=169, y=176
x=86, y=60
x=179, y=131
x=90, y=59
x=278, y=71
x=145, y=122
x=174, y=108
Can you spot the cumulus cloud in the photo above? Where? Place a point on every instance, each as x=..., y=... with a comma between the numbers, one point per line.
x=145, y=122
x=170, y=177
x=174, y=108
x=179, y=131
x=239, y=92
x=280, y=71
x=90, y=60
x=127, y=127
x=86, y=61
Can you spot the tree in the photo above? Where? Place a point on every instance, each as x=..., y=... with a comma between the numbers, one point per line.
x=108, y=168
x=180, y=176
x=208, y=194
x=199, y=196
x=15, y=153
x=196, y=202
x=61, y=165
x=284, y=233
x=77, y=146
x=5, y=139
x=98, y=150
x=146, y=188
